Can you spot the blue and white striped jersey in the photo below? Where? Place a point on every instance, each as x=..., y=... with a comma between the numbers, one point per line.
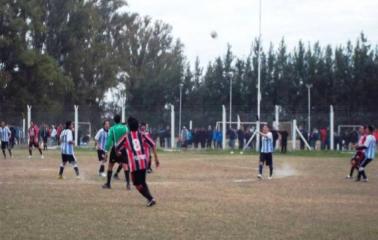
x=101, y=138
x=267, y=143
x=370, y=144
x=65, y=138
x=5, y=134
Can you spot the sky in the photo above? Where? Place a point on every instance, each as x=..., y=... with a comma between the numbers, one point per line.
x=236, y=22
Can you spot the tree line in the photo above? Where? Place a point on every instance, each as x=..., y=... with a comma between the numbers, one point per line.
x=55, y=54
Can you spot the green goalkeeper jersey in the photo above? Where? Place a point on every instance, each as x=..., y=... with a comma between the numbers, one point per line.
x=115, y=133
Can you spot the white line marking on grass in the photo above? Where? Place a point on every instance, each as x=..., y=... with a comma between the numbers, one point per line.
x=243, y=180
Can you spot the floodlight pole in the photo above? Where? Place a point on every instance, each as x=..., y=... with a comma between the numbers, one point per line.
x=172, y=126
x=309, y=86
x=224, y=127
x=259, y=83
x=229, y=74
x=123, y=109
x=76, y=107
x=181, y=86
x=29, y=107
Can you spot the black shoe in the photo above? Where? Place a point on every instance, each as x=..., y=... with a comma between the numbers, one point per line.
x=151, y=203
x=116, y=177
x=128, y=188
x=149, y=170
x=106, y=186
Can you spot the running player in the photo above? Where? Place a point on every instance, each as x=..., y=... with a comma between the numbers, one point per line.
x=67, y=149
x=100, y=141
x=115, y=134
x=133, y=143
x=5, y=135
x=266, y=152
x=369, y=146
x=147, y=147
x=359, y=155
x=34, y=139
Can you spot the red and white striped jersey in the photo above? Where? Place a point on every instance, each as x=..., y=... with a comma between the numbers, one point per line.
x=134, y=142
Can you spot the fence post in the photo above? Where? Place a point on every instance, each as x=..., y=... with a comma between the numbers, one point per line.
x=276, y=118
x=294, y=135
x=123, y=114
x=23, y=128
x=238, y=123
x=29, y=107
x=172, y=126
x=190, y=125
x=223, y=127
x=331, y=128
x=76, y=107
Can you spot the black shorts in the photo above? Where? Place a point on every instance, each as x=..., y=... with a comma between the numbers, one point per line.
x=35, y=144
x=68, y=158
x=118, y=159
x=139, y=177
x=4, y=145
x=267, y=158
x=101, y=155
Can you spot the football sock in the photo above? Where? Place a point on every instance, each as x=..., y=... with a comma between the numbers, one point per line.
x=30, y=152
x=127, y=177
x=76, y=171
x=109, y=177
x=143, y=189
x=61, y=169
x=10, y=152
x=351, y=171
x=260, y=168
x=4, y=154
x=102, y=168
x=270, y=170
x=119, y=169
x=40, y=151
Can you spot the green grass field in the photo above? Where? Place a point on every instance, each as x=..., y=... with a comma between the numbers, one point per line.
x=200, y=196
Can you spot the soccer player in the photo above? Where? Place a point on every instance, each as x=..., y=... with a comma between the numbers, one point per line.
x=266, y=152
x=5, y=135
x=34, y=139
x=115, y=134
x=67, y=149
x=146, y=146
x=100, y=141
x=360, y=153
x=369, y=146
x=134, y=142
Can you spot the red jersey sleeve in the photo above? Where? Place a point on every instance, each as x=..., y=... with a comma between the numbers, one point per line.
x=148, y=140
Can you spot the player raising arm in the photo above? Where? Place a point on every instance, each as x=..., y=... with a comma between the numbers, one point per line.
x=133, y=143
x=266, y=151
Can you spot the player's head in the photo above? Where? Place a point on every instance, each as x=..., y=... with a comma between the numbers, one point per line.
x=265, y=129
x=106, y=124
x=2, y=124
x=133, y=124
x=69, y=125
x=361, y=130
x=117, y=119
x=369, y=129
x=143, y=126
